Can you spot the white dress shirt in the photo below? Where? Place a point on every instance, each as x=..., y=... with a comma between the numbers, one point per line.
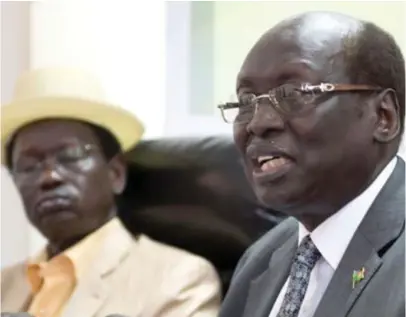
x=332, y=238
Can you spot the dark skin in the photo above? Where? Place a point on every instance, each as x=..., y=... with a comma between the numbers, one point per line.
x=87, y=186
x=338, y=148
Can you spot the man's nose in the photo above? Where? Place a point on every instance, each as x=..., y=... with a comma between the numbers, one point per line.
x=49, y=177
x=265, y=119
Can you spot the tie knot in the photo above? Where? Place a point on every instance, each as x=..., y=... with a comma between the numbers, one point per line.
x=307, y=253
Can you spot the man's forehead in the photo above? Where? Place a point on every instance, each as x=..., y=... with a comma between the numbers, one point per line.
x=315, y=38
x=314, y=27
x=326, y=24
x=54, y=131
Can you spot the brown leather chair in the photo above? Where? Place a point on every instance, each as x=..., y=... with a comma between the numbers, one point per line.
x=192, y=193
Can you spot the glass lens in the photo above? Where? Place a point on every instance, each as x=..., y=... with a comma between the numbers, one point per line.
x=71, y=154
x=26, y=165
x=245, y=114
x=292, y=100
x=246, y=109
x=229, y=115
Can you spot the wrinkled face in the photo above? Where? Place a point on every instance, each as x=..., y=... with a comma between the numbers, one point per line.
x=66, y=184
x=320, y=159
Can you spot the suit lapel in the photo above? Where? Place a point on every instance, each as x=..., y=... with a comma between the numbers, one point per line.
x=17, y=296
x=337, y=296
x=265, y=288
x=381, y=226
x=92, y=292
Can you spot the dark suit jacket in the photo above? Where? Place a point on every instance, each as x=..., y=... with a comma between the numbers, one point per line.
x=378, y=245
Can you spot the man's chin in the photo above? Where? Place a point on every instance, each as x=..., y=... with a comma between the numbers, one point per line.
x=61, y=231
x=283, y=202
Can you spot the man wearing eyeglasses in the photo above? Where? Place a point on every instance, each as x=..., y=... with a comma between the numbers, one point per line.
x=63, y=143
x=319, y=122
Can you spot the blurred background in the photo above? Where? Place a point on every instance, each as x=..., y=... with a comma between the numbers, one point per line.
x=168, y=62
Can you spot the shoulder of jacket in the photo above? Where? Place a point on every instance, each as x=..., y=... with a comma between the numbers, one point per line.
x=262, y=249
x=170, y=254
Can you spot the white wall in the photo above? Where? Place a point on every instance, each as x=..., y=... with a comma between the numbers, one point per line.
x=14, y=60
x=178, y=77
x=111, y=39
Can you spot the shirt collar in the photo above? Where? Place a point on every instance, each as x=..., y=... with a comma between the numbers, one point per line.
x=81, y=253
x=333, y=235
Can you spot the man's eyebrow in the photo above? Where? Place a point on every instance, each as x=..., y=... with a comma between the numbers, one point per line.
x=63, y=144
x=27, y=152
x=70, y=141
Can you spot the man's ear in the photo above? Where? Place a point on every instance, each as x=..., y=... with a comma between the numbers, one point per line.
x=118, y=173
x=388, y=115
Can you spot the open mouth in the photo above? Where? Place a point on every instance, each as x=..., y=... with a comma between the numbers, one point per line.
x=271, y=167
x=271, y=162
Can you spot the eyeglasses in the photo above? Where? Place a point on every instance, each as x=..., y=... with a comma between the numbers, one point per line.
x=69, y=158
x=289, y=100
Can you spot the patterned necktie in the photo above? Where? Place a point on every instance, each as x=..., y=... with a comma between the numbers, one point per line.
x=306, y=257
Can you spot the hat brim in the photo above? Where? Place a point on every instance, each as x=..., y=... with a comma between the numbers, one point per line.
x=125, y=126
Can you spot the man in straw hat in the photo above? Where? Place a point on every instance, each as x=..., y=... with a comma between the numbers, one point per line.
x=62, y=143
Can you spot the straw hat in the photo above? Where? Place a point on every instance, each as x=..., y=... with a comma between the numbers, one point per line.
x=65, y=93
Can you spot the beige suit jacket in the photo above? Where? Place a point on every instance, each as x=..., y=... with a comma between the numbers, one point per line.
x=133, y=277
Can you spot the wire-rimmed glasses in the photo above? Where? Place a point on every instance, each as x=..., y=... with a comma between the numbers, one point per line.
x=288, y=99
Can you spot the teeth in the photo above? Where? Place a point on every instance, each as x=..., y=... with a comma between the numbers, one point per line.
x=263, y=159
x=273, y=164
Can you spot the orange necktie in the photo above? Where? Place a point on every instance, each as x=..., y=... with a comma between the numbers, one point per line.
x=52, y=284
